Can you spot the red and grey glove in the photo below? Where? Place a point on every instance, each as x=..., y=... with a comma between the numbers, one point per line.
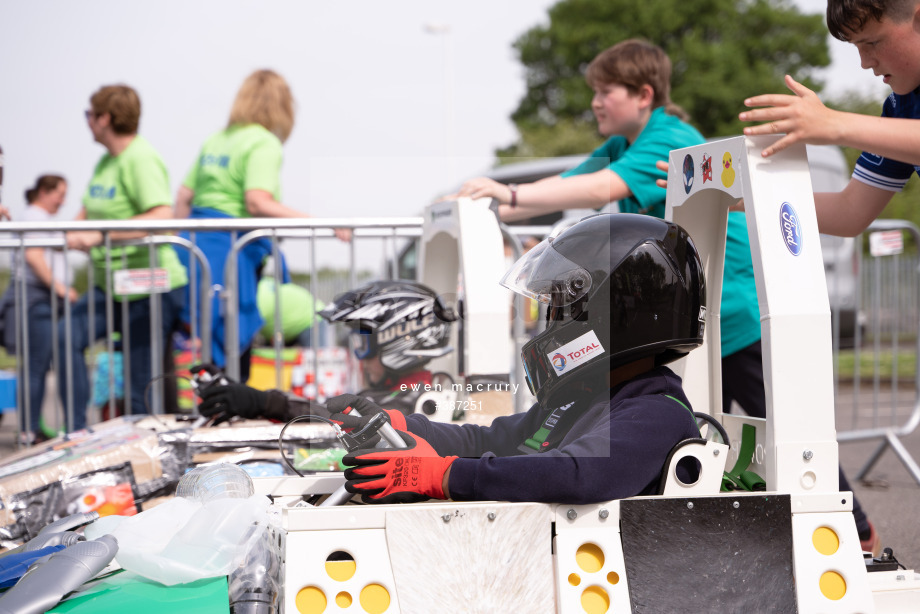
x=340, y=408
x=414, y=473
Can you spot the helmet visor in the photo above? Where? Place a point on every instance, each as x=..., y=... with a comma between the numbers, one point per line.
x=545, y=275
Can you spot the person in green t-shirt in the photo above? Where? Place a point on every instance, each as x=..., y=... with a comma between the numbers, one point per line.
x=631, y=83
x=129, y=182
x=237, y=175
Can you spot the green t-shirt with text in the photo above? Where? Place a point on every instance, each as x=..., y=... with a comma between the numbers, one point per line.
x=233, y=161
x=123, y=186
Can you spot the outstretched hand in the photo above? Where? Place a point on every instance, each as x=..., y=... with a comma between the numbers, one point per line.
x=483, y=187
x=802, y=117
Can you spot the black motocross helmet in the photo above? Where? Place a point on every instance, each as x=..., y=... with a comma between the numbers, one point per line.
x=619, y=287
x=404, y=323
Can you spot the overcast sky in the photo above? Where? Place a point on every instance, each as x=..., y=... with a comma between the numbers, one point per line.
x=374, y=135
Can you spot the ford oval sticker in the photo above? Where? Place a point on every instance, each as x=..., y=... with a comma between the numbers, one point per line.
x=789, y=226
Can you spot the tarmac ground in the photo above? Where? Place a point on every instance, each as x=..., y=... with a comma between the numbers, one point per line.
x=889, y=493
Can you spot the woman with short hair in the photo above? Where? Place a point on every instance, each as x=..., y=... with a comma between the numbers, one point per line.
x=129, y=182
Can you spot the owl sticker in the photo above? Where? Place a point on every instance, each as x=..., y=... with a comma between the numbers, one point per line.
x=728, y=173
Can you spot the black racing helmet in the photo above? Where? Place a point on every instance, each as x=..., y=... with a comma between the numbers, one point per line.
x=404, y=323
x=619, y=287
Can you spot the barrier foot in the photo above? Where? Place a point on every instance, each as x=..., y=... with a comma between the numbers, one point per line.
x=891, y=440
x=872, y=460
x=905, y=456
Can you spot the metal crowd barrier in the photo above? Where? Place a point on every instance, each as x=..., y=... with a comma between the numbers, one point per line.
x=17, y=239
x=393, y=231
x=881, y=406
x=389, y=229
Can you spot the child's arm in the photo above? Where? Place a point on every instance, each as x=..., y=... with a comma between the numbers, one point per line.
x=472, y=440
x=803, y=117
x=587, y=191
x=610, y=460
x=850, y=211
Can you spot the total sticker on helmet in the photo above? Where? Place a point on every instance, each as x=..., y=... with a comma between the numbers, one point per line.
x=576, y=353
x=791, y=231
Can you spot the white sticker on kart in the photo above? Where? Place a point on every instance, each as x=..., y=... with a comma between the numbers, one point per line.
x=575, y=353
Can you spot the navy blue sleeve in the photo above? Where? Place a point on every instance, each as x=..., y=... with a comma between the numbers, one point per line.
x=621, y=455
x=471, y=440
x=885, y=173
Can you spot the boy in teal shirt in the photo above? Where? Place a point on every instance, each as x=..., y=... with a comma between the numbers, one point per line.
x=631, y=81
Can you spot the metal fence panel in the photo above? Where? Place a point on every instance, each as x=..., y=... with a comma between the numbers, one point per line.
x=391, y=232
x=882, y=397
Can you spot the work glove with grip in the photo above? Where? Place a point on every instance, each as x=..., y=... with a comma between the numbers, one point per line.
x=340, y=408
x=405, y=475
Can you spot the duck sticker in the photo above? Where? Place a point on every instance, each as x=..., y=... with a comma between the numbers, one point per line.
x=728, y=173
x=688, y=173
x=706, y=167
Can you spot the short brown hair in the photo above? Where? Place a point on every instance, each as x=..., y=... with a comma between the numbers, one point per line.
x=45, y=183
x=848, y=17
x=265, y=99
x=633, y=63
x=121, y=103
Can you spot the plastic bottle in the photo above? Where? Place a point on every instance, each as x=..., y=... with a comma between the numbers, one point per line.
x=217, y=481
x=253, y=585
